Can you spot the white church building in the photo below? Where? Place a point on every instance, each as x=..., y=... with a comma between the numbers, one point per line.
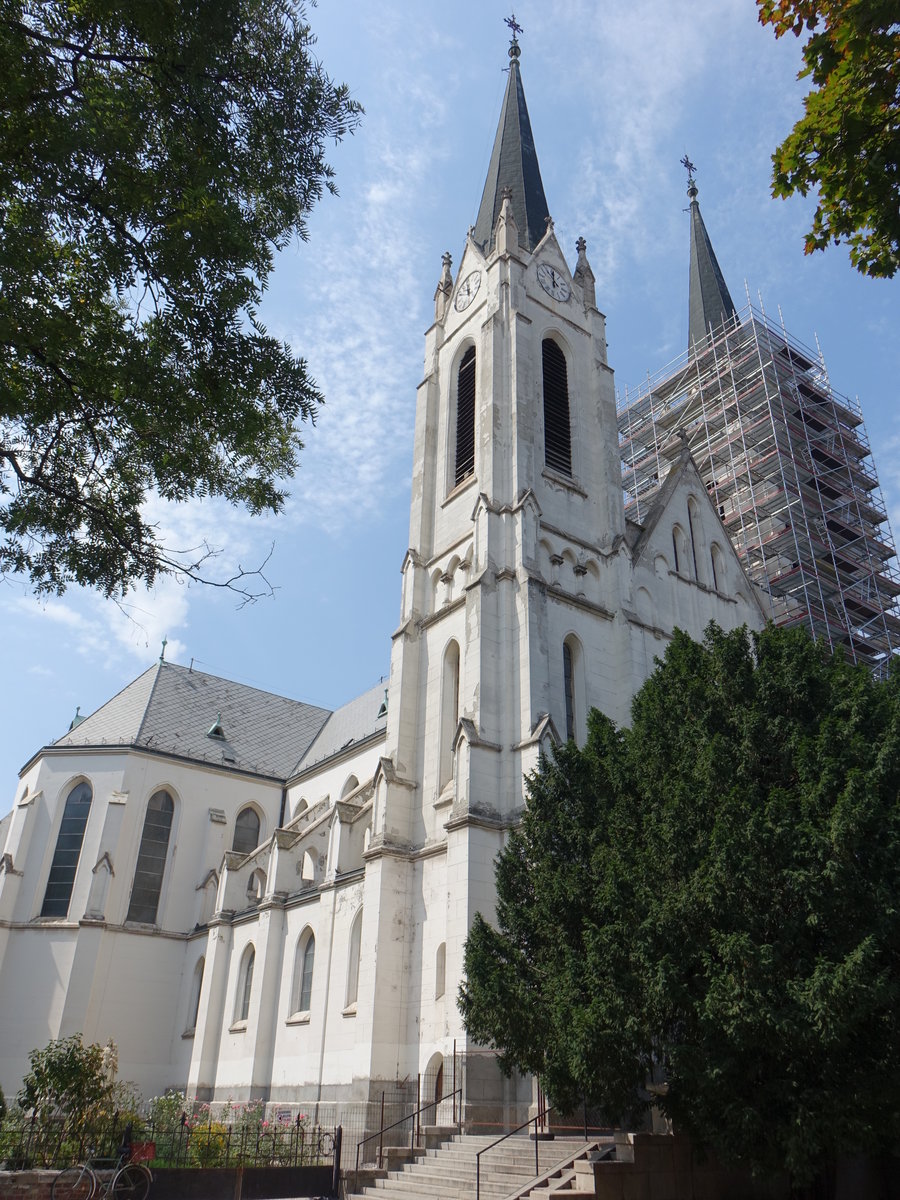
x=256, y=897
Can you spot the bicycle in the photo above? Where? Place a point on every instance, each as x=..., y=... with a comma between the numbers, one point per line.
x=128, y=1181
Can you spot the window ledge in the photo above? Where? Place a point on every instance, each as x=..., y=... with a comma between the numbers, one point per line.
x=568, y=482
x=298, y=1018
x=459, y=488
x=237, y=1027
x=350, y=1010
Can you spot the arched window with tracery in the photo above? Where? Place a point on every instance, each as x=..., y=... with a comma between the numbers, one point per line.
x=465, y=417
x=246, y=831
x=557, y=426
x=151, y=862
x=61, y=879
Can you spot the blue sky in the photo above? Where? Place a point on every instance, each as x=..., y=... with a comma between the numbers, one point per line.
x=617, y=92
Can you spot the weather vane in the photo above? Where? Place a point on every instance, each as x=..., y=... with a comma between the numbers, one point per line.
x=514, y=25
x=689, y=167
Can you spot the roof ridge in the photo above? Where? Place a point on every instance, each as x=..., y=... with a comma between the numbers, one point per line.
x=159, y=666
x=239, y=683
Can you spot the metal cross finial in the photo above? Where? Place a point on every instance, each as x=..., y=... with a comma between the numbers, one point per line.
x=689, y=167
x=514, y=25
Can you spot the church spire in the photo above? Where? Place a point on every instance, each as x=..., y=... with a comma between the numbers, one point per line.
x=514, y=165
x=710, y=304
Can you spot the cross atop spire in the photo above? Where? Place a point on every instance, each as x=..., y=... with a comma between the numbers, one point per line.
x=513, y=165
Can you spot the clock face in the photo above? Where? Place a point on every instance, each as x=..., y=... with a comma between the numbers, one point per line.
x=553, y=283
x=468, y=290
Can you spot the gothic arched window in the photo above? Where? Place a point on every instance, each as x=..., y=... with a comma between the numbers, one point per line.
x=449, y=711
x=353, y=959
x=151, y=862
x=557, y=429
x=569, y=686
x=440, y=970
x=245, y=985
x=68, y=850
x=465, y=417
x=246, y=831
x=693, y=519
x=197, y=987
x=304, y=962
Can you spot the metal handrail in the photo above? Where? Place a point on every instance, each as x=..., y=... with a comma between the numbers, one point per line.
x=537, y=1166
x=409, y=1117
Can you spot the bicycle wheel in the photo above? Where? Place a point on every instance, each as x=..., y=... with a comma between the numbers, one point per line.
x=131, y=1183
x=74, y=1183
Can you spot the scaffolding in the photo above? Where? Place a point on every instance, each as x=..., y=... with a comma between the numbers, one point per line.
x=786, y=461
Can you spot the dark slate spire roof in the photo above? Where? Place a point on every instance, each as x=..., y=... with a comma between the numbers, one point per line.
x=514, y=165
x=710, y=302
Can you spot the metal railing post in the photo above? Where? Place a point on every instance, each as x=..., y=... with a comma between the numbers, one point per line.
x=336, y=1164
x=381, y=1136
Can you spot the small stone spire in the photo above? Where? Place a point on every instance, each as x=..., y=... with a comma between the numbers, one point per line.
x=444, y=287
x=584, y=275
x=506, y=231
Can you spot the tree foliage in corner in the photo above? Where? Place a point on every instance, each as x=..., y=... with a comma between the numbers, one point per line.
x=709, y=900
x=71, y=1080
x=847, y=144
x=153, y=158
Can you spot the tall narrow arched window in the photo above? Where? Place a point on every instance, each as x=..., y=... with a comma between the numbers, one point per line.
x=679, y=546
x=245, y=985
x=151, y=862
x=353, y=959
x=693, y=521
x=304, y=962
x=196, y=988
x=569, y=686
x=440, y=970
x=246, y=831
x=449, y=711
x=557, y=428
x=68, y=850
x=465, y=417
x=718, y=568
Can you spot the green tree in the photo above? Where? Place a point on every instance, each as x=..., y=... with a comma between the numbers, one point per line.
x=847, y=143
x=153, y=159
x=71, y=1080
x=709, y=900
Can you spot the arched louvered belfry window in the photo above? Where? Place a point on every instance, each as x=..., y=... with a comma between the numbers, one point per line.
x=557, y=429
x=246, y=831
x=465, y=417
x=68, y=850
x=151, y=863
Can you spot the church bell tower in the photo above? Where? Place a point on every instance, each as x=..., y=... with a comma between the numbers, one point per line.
x=516, y=526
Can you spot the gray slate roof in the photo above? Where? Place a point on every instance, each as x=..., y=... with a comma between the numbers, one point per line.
x=171, y=708
x=710, y=302
x=351, y=723
x=514, y=164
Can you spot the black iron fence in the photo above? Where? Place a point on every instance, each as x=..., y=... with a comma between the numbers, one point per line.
x=32, y=1142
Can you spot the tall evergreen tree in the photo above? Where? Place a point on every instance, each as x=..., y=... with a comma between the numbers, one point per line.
x=709, y=899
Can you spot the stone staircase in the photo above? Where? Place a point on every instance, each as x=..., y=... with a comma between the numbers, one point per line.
x=447, y=1172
